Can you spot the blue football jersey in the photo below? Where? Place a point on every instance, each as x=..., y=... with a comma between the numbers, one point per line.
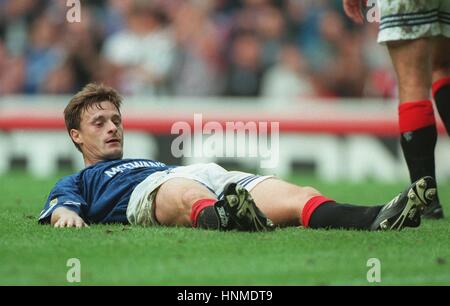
x=100, y=192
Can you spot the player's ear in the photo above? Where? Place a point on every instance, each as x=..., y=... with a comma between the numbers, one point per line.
x=76, y=136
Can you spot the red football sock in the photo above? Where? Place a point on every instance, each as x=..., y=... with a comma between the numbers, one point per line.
x=418, y=137
x=198, y=207
x=441, y=95
x=415, y=115
x=439, y=84
x=310, y=206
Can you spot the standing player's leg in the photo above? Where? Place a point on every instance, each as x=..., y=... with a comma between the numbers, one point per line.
x=441, y=94
x=413, y=65
x=441, y=65
x=288, y=204
x=441, y=78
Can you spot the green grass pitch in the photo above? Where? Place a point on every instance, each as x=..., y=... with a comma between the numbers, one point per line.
x=31, y=254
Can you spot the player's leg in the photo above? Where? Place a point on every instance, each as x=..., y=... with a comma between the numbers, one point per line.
x=441, y=65
x=288, y=204
x=412, y=64
x=441, y=95
x=408, y=28
x=412, y=61
x=180, y=201
x=186, y=202
x=441, y=78
x=283, y=202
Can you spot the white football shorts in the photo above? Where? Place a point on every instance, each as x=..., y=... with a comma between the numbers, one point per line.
x=412, y=19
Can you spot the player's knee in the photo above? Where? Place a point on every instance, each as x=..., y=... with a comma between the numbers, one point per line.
x=310, y=192
x=307, y=193
x=192, y=195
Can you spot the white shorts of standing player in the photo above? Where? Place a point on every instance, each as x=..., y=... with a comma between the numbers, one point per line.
x=408, y=19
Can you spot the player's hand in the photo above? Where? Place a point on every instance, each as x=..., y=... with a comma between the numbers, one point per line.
x=71, y=221
x=353, y=10
x=63, y=217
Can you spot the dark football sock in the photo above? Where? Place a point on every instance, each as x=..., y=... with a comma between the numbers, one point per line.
x=332, y=215
x=322, y=212
x=418, y=149
x=418, y=137
x=208, y=219
x=441, y=94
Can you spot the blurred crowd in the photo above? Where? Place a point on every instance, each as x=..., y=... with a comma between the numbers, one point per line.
x=251, y=48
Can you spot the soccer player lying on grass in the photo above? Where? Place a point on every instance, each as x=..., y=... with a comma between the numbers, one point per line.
x=149, y=193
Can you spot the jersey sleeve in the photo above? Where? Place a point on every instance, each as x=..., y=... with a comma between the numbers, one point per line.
x=66, y=193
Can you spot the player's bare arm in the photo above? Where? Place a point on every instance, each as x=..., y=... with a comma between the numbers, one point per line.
x=353, y=10
x=63, y=217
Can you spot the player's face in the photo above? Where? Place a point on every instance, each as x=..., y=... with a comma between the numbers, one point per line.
x=101, y=133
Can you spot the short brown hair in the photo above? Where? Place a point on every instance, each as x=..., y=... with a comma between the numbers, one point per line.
x=91, y=94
